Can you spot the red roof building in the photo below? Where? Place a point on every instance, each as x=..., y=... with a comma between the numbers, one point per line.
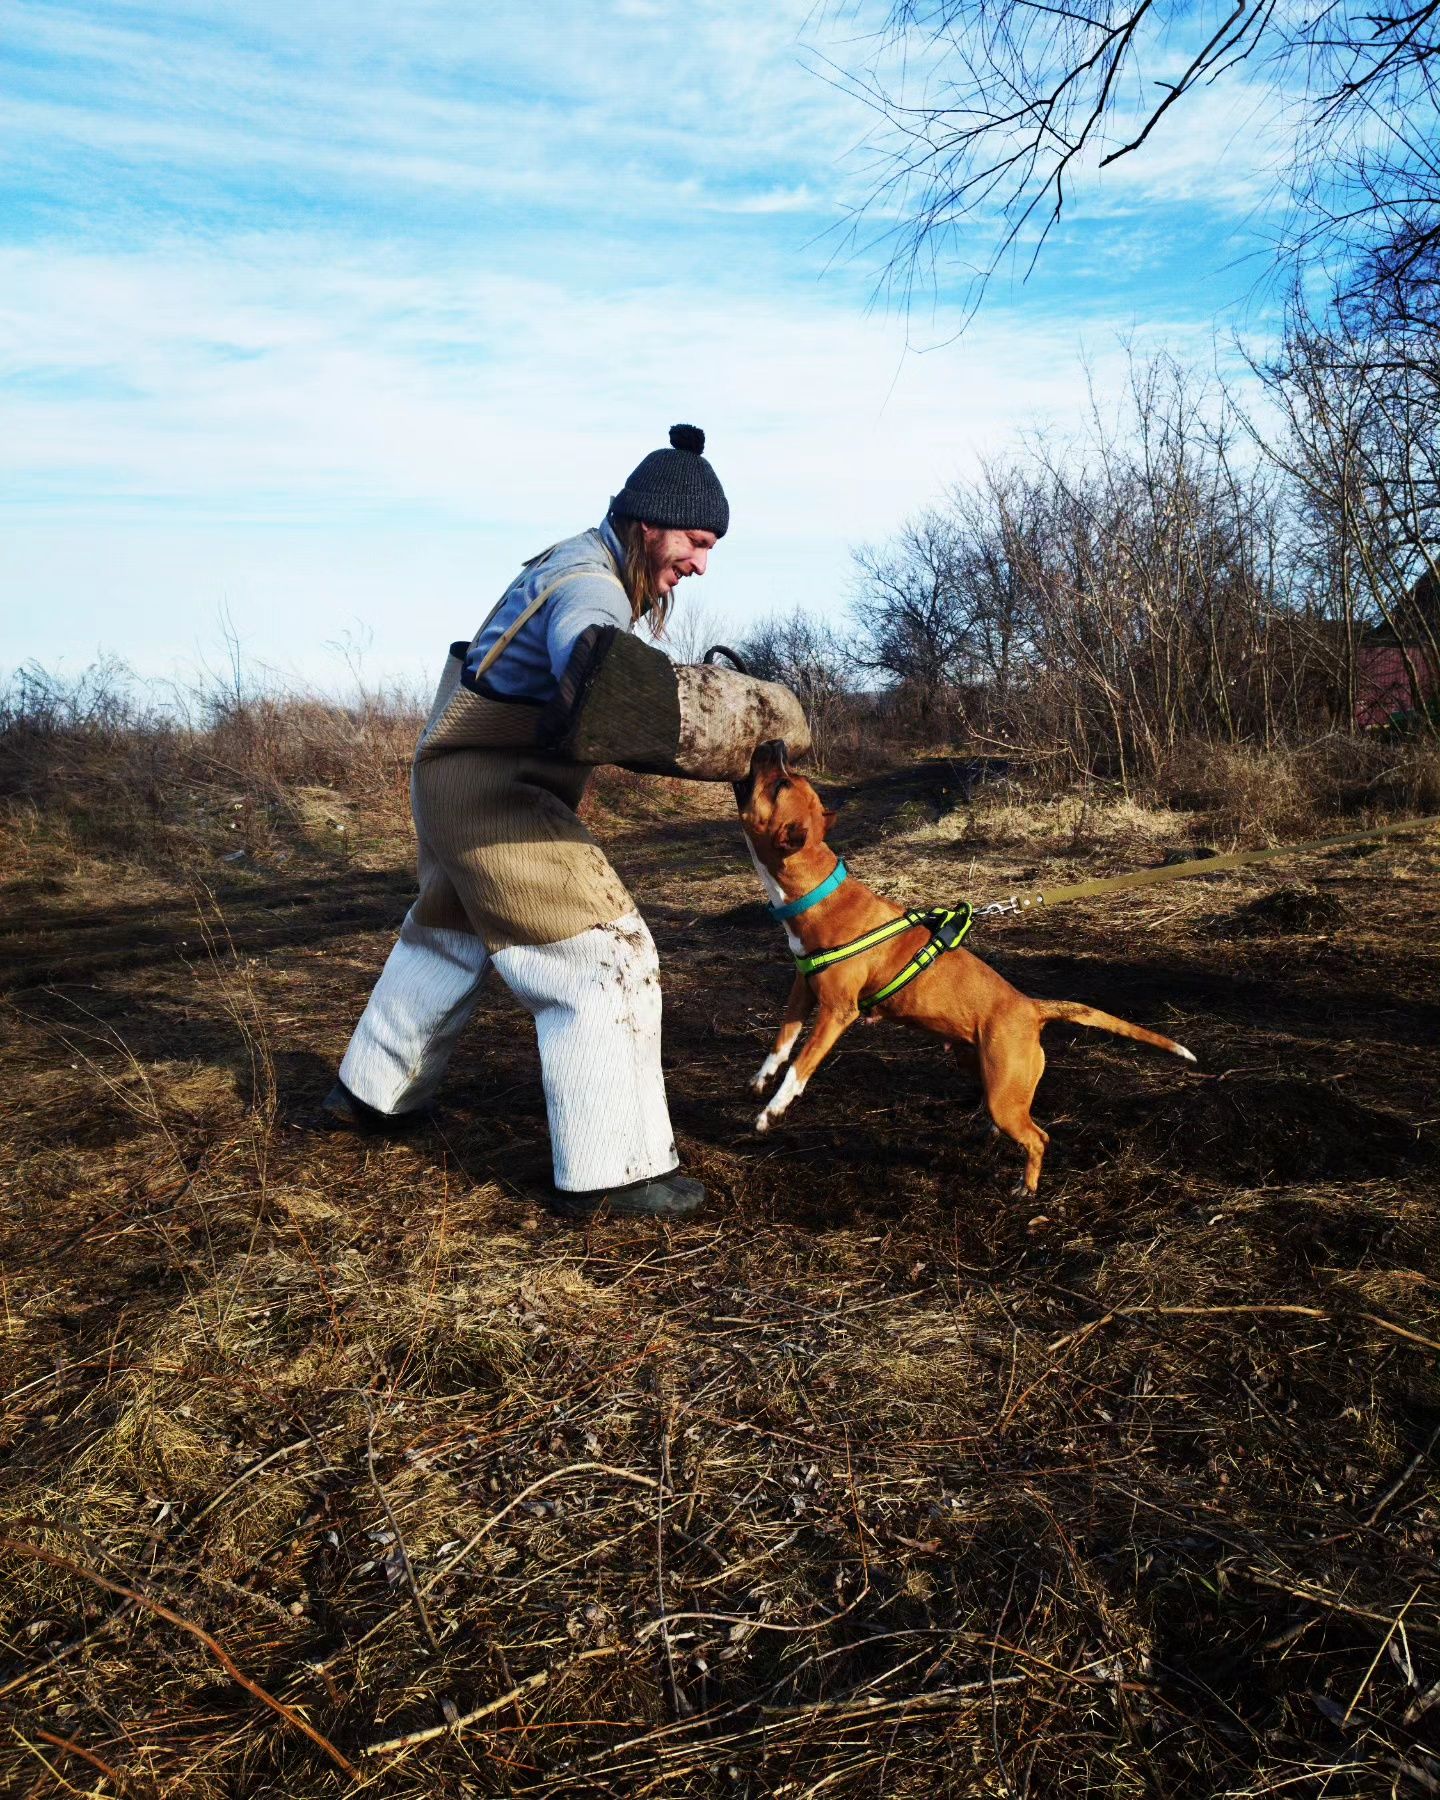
x=1397, y=669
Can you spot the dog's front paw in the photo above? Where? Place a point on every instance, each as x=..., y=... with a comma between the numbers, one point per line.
x=789, y=1089
x=762, y=1077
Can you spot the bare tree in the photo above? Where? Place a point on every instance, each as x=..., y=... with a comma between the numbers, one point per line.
x=992, y=110
x=908, y=610
x=1110, y=602
x=1360, y=395
x=692, y=628
x=997, y=519
x=807, y=654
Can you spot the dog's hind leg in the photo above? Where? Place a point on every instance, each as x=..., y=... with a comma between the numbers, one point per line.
x=967, y=1059
x=797, y=1010
x=1011, y=1064
x=967, y=1066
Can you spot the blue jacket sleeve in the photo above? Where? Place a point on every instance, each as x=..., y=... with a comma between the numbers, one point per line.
x=584, y=601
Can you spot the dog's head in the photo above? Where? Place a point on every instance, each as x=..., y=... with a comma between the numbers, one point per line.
x=779, y=810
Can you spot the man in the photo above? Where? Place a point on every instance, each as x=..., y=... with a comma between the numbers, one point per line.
x=508, y=874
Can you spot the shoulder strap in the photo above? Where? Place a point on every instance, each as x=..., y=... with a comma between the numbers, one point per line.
x=511, y=632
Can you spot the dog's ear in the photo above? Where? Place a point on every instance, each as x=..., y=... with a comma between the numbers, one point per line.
x=795, y=836
x=829, y=817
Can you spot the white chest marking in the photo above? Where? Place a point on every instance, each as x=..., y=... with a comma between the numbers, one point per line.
x=776, y=896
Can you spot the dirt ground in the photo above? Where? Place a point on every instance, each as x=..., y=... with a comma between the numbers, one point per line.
x=875, y=1480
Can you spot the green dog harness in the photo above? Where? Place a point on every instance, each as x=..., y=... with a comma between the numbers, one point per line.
x=948, y=928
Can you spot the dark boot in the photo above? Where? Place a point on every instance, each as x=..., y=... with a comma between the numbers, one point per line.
x=673, y=1196
x=341, y=1110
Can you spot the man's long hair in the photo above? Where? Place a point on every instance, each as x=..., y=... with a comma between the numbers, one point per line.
x=646, y=600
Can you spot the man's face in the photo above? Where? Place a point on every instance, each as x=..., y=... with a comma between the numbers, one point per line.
x=675, y=554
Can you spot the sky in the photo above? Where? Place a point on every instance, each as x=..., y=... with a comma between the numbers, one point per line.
x=316, y=320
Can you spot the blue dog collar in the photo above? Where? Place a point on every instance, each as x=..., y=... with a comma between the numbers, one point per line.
x=792, y=908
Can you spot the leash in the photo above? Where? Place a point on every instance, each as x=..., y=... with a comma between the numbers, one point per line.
x=950, y=925
x=1205, y=865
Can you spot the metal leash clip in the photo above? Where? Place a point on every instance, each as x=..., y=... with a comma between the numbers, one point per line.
x=1012, y=905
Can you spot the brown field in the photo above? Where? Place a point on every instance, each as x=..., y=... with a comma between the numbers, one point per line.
x=875, y=1481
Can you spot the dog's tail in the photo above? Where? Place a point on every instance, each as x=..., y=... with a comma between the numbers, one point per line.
x=1074, y=1013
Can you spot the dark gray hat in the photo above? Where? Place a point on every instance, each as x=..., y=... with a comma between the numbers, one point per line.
x=676, y=487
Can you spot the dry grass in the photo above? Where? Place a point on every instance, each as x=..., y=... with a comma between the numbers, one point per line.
x=1285, y=793
x=1064, y=822
x=98, y=772
x=873, y=1481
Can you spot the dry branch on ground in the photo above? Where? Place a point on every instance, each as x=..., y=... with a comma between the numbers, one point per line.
x=871, y=1481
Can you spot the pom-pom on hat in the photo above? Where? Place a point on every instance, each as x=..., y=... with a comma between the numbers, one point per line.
x=676, y=487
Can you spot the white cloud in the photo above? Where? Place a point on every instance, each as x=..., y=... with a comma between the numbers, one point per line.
x=194, y=400
x=333, y=312
x=583, y=109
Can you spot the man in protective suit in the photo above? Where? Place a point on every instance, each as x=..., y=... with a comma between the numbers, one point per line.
x=553, y=684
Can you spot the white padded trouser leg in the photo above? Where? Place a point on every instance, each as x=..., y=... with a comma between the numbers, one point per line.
x=596, y=1002
x=420, y=1005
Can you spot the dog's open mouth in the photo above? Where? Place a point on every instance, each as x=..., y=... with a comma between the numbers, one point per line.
x=768, y=756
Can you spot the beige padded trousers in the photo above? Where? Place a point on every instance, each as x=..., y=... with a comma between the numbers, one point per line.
x=509, y=875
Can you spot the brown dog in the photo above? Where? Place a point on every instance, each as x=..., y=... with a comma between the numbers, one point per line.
x=993, y=1029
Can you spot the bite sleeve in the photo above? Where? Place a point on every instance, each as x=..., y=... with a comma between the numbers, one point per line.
x=621, y=701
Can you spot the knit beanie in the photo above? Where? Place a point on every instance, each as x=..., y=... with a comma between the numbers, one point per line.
x=676, y=487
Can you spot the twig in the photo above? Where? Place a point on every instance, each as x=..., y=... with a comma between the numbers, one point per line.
x=580, y=1468
x=38, y=1553
x=678, y=1698
x=254, y=1469
x=28, y=1676
x=521, y=1688
x=1203, y=1312
x=719, y=1618
x=705, y=1721
x=1319, y=1597
x=87, y=1362
x=1405, y=1474
x=843, y=1773
x=412, y=1738
x=1365, y=1681
x=405, y=1562
x=1076, y=1337
x=89, y=1756
x=1190, y=1312
x=1400, y=1331
x=870, y=1706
